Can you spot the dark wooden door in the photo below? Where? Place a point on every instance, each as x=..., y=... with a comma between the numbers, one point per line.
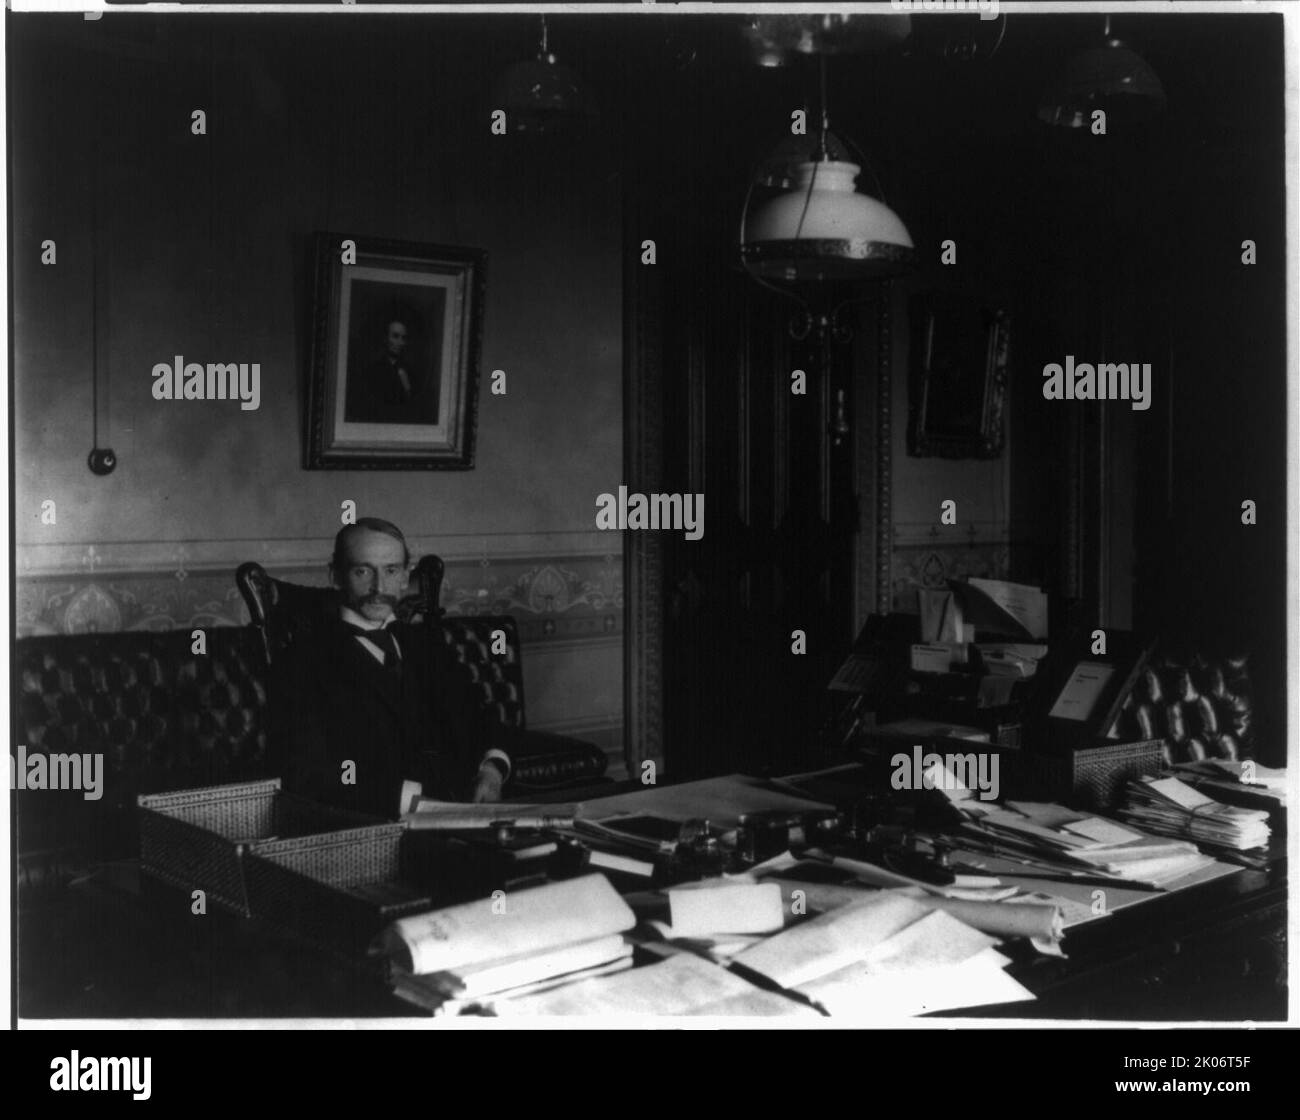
x=775, y=469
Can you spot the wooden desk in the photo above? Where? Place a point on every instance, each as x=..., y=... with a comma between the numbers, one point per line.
x=121, y=946
x=1216, y=951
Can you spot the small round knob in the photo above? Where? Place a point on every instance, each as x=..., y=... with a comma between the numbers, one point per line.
x=102, y=460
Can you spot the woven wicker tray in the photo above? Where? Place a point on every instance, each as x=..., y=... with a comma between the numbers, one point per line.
x=196, y=839
x=335, y=891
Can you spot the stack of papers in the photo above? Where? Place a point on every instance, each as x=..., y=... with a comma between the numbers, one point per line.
x=514, y=943
x=481, y=986
x=1173, y=808
x=881, y=956
x=1063, y=841
x=1148, y=861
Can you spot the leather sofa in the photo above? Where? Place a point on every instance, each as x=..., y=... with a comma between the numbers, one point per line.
x=167, y=718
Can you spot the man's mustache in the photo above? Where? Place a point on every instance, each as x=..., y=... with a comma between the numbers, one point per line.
x=391, y=600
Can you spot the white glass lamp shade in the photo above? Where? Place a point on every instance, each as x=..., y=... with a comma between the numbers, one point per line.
x=823, y=228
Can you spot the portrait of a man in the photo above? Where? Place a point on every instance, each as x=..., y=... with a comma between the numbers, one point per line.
x=393, y=376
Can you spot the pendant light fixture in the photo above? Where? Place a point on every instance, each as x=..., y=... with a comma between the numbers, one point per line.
x=807, y=230
x=1109, y=76
x=540, y=94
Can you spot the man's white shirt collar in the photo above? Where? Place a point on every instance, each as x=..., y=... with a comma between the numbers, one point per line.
x=347, y=614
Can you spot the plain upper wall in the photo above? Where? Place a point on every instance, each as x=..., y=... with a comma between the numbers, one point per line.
x=203, y=251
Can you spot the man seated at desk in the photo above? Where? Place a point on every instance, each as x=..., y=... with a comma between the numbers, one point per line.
x=378, y=694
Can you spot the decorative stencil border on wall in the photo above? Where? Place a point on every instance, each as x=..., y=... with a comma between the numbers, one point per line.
x=553, y=597
x=925, y=555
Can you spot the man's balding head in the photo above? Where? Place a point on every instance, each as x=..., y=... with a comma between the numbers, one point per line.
x=366, y=524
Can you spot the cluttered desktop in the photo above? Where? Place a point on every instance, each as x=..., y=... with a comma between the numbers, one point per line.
x=997, y=832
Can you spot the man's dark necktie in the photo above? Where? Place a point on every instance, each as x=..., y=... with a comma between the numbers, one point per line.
x=384, y=641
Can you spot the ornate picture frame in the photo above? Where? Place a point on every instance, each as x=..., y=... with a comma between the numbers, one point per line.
x=958, y=378
x=396, y=333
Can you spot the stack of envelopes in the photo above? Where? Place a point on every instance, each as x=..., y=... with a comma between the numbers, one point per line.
x=1173, y=808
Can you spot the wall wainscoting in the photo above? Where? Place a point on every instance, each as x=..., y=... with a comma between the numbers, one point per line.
x=927, y=556
x=555, y=596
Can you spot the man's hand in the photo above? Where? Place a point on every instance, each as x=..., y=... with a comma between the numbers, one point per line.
x=487, y=787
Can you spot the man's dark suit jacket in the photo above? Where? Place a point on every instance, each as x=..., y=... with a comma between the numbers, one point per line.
x=333, y=702
x=375, y=394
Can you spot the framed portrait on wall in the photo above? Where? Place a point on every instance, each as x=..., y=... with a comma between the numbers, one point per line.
x=958, y=378
x=396, y=333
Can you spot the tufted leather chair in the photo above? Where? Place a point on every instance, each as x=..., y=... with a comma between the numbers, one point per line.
x=541, y=760
x=163, y=716
x=495, y=680
x=284, y=613
x=1201, y=706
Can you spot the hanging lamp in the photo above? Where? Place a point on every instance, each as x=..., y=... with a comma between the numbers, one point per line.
x=541, y=94
x=807, y=229
x=1109, y=76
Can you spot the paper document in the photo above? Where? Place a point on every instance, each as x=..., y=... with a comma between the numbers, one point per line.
x=859, y=994
x=532, y=967
x=721, y=801
x=1055, y=839
x=681, y=985
x=1103, y=831
x=1082, y=691
x=1002, y=609
x=936, y=940
x=1179, y=793
x=757, y=1003
x=726, y=908
x=520, y=922
x=1250, y=772
x=818, y=898
x=1011, y=918
x=1072, y=913
x=489, y=1002
x=1046, y=814
x=833, y=941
